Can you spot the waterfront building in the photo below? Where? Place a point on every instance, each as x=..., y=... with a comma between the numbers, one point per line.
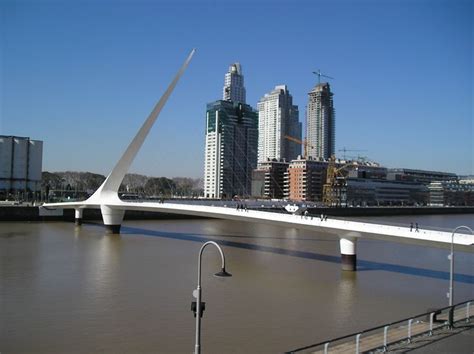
x=451, y=193
x=234, y=89
x=368, y=184
x=321, y=122
x=466, y=179
x=436, y=191
x=422, y=176
x=268, y=180
x=379, y=192
x=230, y=149
x=21, y=162
x=304, y=179
x=369, y=170
x=277, y=118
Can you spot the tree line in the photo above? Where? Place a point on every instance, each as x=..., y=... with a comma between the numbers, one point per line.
x=75, y=184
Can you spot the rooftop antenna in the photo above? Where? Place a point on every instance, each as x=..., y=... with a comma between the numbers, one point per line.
x=319, y=75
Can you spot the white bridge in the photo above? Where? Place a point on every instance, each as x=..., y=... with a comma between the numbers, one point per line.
x=113, y=208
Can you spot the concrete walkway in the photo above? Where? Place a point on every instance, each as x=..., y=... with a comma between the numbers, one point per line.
x=401, y=337
x=460, y=339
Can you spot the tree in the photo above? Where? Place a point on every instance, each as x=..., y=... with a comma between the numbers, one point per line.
x=134, y=183
x=160, y=186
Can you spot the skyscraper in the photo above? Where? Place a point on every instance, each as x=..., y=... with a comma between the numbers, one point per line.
x=321, y=122
x=231, y=149
x=234, y=89
x=278, y=117
x=231, y=141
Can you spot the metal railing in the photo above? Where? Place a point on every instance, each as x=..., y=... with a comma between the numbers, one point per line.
x=377, y=220
x=378, y=339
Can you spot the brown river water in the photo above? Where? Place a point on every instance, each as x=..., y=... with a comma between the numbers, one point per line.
x=67, y=289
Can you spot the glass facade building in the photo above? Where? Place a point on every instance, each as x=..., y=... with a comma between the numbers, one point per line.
x=231, y=149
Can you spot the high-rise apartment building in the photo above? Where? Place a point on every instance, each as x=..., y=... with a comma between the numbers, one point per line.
x=277, y=118
x=321, y=122
x=231, y=149
x=234, y=89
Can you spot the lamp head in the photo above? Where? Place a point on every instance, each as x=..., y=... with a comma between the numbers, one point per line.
x=223, y=273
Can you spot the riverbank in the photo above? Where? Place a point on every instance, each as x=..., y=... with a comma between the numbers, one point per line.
x=34, y=213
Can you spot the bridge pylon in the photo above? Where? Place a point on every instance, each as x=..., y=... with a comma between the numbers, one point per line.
x=112, y=218
x=348, y=246
x=107, y=193
x=78, y=216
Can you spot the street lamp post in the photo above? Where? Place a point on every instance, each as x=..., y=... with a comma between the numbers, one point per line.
x=197, y=292
x=451, y=262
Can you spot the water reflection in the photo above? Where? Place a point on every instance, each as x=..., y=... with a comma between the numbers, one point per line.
x=102, y=268
x=362, y=265
x=77, y=231
x=344, y=299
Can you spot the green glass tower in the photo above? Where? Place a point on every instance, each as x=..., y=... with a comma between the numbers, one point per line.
x=231, y=149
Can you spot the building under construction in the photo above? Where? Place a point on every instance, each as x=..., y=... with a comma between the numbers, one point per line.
x=342, y=183
x=268, y=180
x=368, y=184
x=304, y=179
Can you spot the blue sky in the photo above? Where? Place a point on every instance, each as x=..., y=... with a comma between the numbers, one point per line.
x=83, y=75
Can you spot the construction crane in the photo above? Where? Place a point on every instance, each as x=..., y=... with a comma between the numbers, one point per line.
x=344, y=150
x=305, y=144
x=332, y=189
x=319, y=75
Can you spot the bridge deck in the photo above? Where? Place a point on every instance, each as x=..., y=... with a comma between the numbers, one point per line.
x=338, y=227
x=342, y=228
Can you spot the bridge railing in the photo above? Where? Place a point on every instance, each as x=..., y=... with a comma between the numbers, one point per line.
x=382, y=337
x=377, y=221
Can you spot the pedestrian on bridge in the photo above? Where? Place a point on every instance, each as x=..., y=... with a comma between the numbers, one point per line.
x=416, y=228
x=411, y=227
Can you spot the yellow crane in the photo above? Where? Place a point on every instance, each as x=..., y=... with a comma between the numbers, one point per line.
x=304, y=142
x=334, y=181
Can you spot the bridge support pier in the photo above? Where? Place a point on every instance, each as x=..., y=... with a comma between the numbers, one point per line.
x=78, y=216
x=112, y=218
x=348, y=253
